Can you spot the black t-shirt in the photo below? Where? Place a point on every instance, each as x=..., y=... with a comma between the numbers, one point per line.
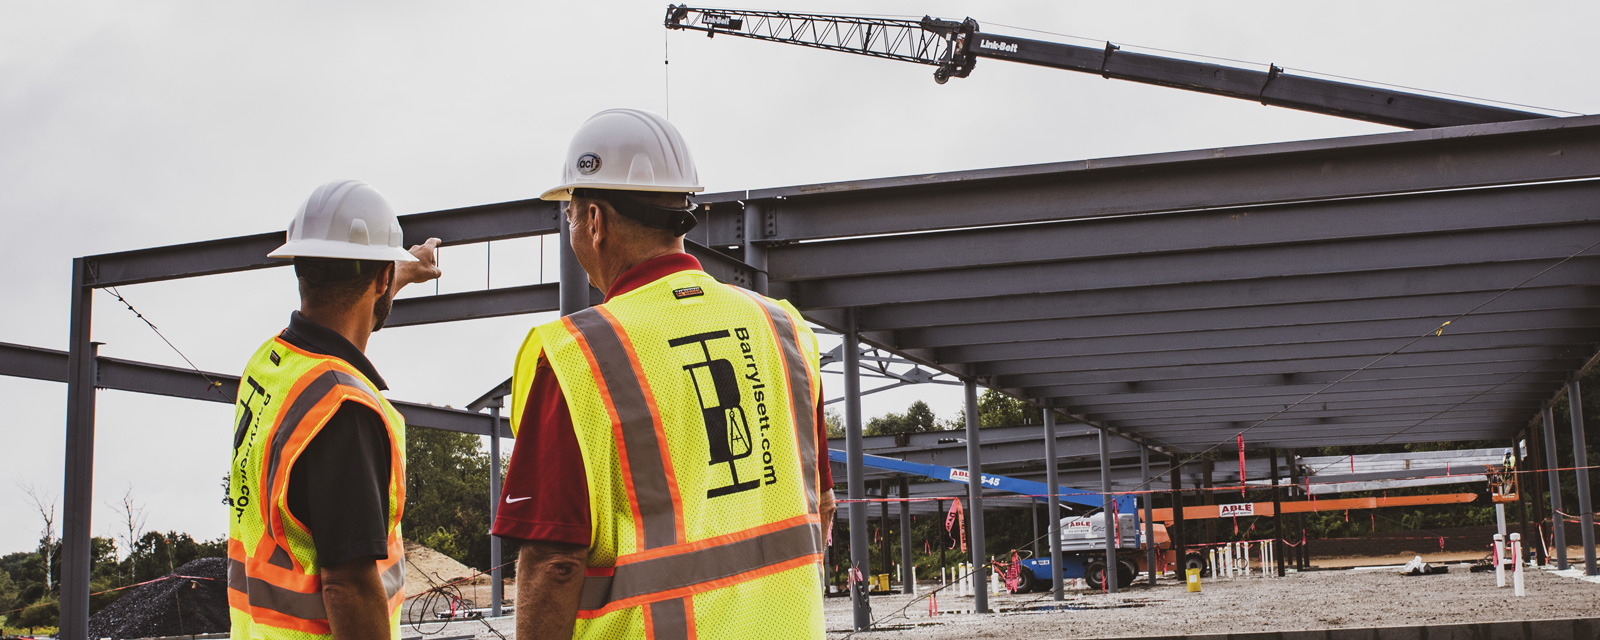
x=339, y=486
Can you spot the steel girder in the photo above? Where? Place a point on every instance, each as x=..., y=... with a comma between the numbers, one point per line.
x=176, y=382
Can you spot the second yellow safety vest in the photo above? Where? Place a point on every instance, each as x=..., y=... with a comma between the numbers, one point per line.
x=694, y=405
x=286, y=396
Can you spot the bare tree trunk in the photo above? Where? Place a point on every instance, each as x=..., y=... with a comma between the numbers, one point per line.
x=133, y=517
x=47, y=537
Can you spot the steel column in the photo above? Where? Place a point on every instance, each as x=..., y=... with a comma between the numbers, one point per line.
x=908, y=571
x=1537, y=465
x=574, y=280
x=1558, y=532
x=79, y=482
x=1580, y=461
x=1180, y=547
x=1111, y=523
x=1053, y=506
x=1277, y=515
x=496, y=584
x=980, y=595
x=1523, y=464
x=1149, y=513
x=860, y=553
x=755, y=252
x=883, y=527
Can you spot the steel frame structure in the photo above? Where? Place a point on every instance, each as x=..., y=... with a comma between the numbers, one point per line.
x=1414, y=286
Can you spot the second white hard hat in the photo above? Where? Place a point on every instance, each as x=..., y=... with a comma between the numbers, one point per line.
x=627, y=150
x=345, y=219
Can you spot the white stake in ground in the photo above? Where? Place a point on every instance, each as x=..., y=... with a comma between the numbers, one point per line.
x=1516, y=556
x=1499, y=560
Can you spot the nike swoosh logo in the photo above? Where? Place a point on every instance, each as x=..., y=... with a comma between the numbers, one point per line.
x=510, y=500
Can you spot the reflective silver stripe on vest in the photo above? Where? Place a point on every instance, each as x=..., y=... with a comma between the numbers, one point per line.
x=265, y=595
x=645, y=465
x=701, y=565
x=800, y=402
x=306, y=606
x=669, y=619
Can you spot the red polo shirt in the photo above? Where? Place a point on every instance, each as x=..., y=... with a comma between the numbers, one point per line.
x=546, y=493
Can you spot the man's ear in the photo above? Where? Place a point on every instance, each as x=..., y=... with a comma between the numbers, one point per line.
x=599, y=223
x=384, y=283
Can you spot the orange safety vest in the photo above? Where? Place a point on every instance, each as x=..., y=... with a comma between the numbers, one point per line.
x=286, y=396
x=694, y=404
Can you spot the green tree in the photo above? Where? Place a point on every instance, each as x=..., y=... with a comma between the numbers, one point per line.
x=8, y=591
x=918, y=418
x=835, y=423
x=157, y=554
x=447, y=494
x=996, y=409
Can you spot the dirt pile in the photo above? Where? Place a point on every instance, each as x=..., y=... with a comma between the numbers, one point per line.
x=426, y=568
x=191, y=600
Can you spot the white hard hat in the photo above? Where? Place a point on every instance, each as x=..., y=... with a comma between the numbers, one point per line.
x=345, y=219
x=627, y=150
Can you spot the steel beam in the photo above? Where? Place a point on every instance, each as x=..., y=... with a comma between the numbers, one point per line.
x=1110, y=577
x=1269, y=386
x=908, y=569
x=1539, y=244
x=1439, y=307
x=1069, y=345
x=76, y=526
x=496, y=583
x=1146, y=498
x=454, y=226
x=1530, y=358
x=1053, y=505
x=1580, y=456
x=980, y=600
x=1459, y=157
x=1266, y=295
x=860, y=556
x=1299, y=224
x=489, y=303
x=1559, y=531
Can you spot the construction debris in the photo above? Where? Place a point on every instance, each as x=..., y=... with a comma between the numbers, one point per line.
x=1419, y=568
x=191, y=600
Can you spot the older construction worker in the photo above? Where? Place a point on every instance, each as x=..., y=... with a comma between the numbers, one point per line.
x=670, y=476
x=317, y=482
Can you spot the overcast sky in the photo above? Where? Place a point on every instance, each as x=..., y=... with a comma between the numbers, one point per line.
x=131, y=125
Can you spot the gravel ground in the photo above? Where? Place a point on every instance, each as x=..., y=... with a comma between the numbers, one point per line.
x=1312, y=600
x=172, y=606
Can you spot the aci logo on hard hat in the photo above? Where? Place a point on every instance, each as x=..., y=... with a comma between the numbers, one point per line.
x=588, y=163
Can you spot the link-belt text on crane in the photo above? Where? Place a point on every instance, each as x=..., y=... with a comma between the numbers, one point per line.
x=1007, y=47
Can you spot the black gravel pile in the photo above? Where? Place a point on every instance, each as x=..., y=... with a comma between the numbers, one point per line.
x=171, y=607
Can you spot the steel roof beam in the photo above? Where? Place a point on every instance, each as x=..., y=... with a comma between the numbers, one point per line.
x=1181, y=339
x=1538, y=358
x=1115, y=394
x=1458, y=157
x=1390, y=255
x=1448, y=347
x=1101, y=405
x=1266, y=316
x=1301, y=223
x=1471, y=279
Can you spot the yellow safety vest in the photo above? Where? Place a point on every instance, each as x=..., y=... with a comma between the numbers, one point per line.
x=694, y=405
x=286, y=396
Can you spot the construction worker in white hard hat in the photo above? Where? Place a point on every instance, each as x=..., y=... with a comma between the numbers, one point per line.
x=670, y=477
x=317, y=480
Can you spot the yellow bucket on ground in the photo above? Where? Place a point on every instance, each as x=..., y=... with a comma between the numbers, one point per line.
x=880, y=582
x=1194, y=580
